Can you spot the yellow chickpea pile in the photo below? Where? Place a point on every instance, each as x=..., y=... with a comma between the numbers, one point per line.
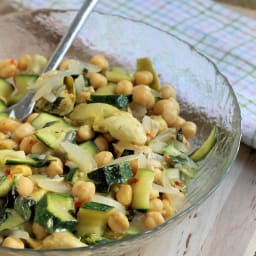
x=20, y=136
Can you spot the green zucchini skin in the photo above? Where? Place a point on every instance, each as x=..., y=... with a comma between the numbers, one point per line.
x=120, y=101
x=43, y=119
x=106, y=176
x=200, y=153
x=5, y=185
x=2, y=105
x=52, y=212
x=12, y=221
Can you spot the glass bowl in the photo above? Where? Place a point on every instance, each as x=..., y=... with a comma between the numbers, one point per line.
x=204, y=94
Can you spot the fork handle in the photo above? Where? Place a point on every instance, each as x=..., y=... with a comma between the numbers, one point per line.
x=70, y=35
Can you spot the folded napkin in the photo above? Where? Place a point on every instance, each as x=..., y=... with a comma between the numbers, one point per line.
x=226, y=37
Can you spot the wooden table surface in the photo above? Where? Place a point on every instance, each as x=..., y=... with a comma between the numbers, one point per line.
x=225, y=224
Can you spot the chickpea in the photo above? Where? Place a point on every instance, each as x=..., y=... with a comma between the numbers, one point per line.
x=118, y=222
x=83, y=96
x=24, y=62
x=101, y=143
x=168, y=210
x=97, y=80
x=83, y=190
x=164, y=104
x=39, y=231
x=189, y=129
x=100, y=61
x=103, y=157
x=37, y=64
x=179, y=122
x=143, y=77
x=169, y=116
x=55, y=167
x=84, y=132
x=2, y=136
x=8, y=68
x=142, y=95
x=27, y=143
x=23, y=169
x=22, y=131
x=124, y=194
x=153, y=219
x=158, y=177
x=13, y=242
x=39, y=148
x=154, y=193
x=65, y=64
x=32, y=117
x=156, y=205
x=8, y=125
x=167, y=91
x=8, y=144
x=124, y=87
x=25, y=186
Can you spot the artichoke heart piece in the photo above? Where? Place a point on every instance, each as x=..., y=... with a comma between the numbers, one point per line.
x=91, y=113
x=106, y=118
x=124, y=127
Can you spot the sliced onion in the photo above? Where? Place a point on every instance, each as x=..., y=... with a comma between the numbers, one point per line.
x=79, y=84
x=108, y=201
x=124, y=159
x=156, y=156
x=166, y=136
x=150, y=126
x=16, y=233
x=143, y=161
x=167, y=185
x=52, y=184
x=79, y=66
x=157, y=146
x=79, y=156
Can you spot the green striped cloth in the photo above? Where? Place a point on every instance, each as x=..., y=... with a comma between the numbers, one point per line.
x=228, y=38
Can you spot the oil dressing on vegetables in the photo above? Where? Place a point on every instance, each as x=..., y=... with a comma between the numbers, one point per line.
x=105, y=155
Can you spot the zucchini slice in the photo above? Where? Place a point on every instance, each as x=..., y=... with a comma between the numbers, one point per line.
x=92, y=218
x=6, y=89
x=43, y=119
x=201, y=153
x=54, y=134
x=118, y=100
x=141, y=187
x=145, y=64
x=106, y=90
x=2, y=105
x=52, y=212
x=109, y=175
x=6, y=183
x=12, y=221
x=89, y=146
x=22, y=81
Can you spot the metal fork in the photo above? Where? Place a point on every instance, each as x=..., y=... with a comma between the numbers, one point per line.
x=24, y=108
